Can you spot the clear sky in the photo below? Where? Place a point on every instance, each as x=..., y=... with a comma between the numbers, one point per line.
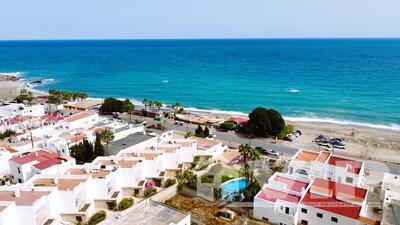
x=120, y=19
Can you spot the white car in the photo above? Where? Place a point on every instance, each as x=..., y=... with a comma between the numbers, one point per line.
x=152, y=133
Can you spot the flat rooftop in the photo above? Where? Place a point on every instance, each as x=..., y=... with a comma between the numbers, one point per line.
x=335, y=198
x=272, y=195
x=391, y=182
x=78, y=116
x=204, y=143
x=97, y=174
x=116, y=146
x=64, y=184
x=353, y=166
x=307, y=156
x=154, y=213
x=292, y=184
x=25, y=198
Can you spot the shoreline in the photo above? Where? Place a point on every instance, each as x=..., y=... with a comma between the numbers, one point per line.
x=376, y=142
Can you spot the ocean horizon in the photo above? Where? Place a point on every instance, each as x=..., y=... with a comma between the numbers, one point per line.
x=345, y=81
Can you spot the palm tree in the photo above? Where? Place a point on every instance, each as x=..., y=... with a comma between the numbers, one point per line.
x=107, y=136
x=146, y=103
x=158, y=105
x=176, y=107
x=254, y=155
x=244, y=150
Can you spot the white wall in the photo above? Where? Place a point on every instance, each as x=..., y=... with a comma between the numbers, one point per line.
x=311, y=217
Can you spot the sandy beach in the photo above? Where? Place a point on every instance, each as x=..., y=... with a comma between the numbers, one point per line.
x=366, y=142
x=361, y=141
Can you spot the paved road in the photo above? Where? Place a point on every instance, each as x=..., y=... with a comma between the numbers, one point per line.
x=232, y=139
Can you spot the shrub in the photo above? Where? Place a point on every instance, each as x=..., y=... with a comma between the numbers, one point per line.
x=228, y=125
x=150, y=184
x=207, y=179
x=7, y=133
x=169, y=182
x=150, y=192
x=217, y=193
x=125, y=203
x=111, y=205
x=285, y=131
x=97, y=217
x=196, y=159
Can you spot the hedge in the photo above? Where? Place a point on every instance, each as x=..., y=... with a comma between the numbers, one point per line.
x=125, y=203
x=97, y=217
x=111, y=205
x=169, y=182
x=150, y=191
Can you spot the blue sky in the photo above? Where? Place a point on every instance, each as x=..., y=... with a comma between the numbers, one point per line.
x=120, y=19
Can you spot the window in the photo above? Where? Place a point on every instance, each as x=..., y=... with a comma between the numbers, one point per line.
x=303, y=210
x=304, y=222
x=334, y=219
x=319, y=215
x=19, y=170
x=19, y=180
x=349, y=180
x=287, y=210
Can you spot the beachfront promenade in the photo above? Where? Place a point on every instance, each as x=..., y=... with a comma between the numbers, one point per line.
x=233, y=139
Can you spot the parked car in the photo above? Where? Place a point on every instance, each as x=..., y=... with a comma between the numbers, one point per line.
x=212, y=135
x=272, y=153
x=321, y=138
x=261, y=150
x=289, y=137
x=180, y=123
x=324, y=143
x=298, y=131
x=152, y=133
x=338, y=144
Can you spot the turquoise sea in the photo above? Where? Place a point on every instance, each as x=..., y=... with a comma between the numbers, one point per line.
x=355, y=81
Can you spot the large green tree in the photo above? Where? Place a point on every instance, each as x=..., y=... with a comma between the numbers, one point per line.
x=111, y=105
x=107, y=136
x=265, y=121
x=98, y=147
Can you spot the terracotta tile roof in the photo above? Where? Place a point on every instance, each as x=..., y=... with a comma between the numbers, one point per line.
x=78, y=116
x=49, y=163
x=292, y=184
x=353, y=165
x=40, y=156
x=9, y=149
x=238, y=120
x=25, y=198
x=332, y=203
x=272, y=195
x=64, y=184
x=307, y=156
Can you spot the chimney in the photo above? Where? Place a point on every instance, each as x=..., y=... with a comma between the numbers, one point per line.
x=55, y=180
x=87, y=170
x=36, y=154
x=17, y=192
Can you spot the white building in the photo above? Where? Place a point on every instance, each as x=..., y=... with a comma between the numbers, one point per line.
x=329, y=202
x=390, y=196
x=29, y=205
x=208, y=148
x=325, y=165
x=80, y=120
x=19, y=109
x=74, y=193
x=39, y=162
x=6, y=153
x=277, y=202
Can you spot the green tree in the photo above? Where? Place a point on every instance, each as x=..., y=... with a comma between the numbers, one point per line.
x=111, y=105
x=78, y=152
x=24, y=95
x=199, y=131
x=88, y=151
x=146, y=103
x=188, y=178
x=98, y=147
x=158, y=105
x=206, y=132
x=228, y=125
x=107, y=136
x=129, y=107
x=266, y=121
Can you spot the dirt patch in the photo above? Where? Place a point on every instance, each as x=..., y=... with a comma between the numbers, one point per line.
x=204, y=213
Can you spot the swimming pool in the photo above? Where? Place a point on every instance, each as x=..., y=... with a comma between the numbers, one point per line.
x=233, y=186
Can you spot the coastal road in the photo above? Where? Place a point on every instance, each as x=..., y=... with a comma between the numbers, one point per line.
x=230, y=139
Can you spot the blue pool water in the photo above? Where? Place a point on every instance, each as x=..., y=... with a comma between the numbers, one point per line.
x=230, y=187
x=348, y=81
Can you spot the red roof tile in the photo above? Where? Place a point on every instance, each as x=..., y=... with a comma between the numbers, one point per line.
x=272, y=195
x=45, y=159
x=354, y=166
x=294, y=185
x=332, y=204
